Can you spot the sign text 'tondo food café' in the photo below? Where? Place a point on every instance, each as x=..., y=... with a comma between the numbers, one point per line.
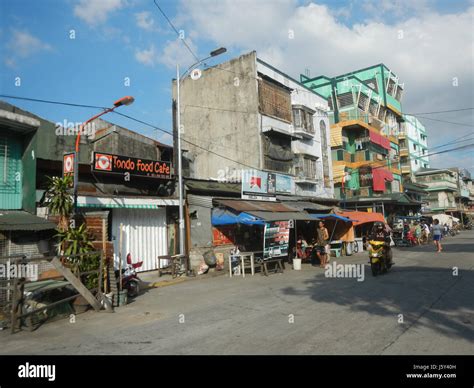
x=118, y=164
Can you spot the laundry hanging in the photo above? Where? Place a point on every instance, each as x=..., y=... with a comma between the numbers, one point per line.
x=379, y=176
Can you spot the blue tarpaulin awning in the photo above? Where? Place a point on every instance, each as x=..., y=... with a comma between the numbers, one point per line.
x=331, y=217
x=224, y=217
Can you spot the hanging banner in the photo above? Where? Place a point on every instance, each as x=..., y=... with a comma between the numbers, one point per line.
x=276, y=239
x=118, y=164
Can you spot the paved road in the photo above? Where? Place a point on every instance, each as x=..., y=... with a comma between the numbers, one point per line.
x=298, y=312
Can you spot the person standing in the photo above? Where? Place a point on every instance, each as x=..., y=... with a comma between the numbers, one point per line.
x=437, y=233
x=426, y=233
x=418, y=233
x=322, y=237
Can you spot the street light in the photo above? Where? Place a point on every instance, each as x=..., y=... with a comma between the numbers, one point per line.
x=127, y=100
x=179, y=78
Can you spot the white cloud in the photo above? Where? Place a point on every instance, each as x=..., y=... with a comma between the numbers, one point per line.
x=95, y=12
x=147, y=57
x=173, y=52
x=23, y=44
x=145, y=21
x=435, y=47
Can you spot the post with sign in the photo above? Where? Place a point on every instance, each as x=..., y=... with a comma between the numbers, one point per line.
x=68, y=165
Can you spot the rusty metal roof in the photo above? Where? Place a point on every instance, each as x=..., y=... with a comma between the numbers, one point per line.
x=282, y=216
x=245, y=206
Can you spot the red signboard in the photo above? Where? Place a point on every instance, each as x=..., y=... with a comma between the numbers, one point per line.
x=118, y=164
x=68, y=164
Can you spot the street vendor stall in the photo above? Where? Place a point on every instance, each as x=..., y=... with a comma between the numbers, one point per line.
x=263, y=229
x=340, y=230
x=362, y=225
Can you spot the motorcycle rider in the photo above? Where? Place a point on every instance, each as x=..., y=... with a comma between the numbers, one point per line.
x=380, y=233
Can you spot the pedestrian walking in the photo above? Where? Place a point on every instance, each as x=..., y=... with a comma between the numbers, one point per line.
x=437, y=235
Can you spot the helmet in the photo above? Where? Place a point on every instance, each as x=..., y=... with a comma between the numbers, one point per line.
x=378, y=224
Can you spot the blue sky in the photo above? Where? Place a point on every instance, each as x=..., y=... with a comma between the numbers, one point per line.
x=115, y=39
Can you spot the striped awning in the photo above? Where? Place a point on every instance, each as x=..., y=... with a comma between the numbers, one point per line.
x=125, y=202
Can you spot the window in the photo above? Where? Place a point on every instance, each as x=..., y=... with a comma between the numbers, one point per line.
x=274, y=100
x=416, y=162
x=303, y=118
x=277, y=153
x=414, y=147
x=298, y=118
x=309, y=168
x=340, y=154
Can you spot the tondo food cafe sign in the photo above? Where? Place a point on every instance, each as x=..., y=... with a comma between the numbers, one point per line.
x=118, y=164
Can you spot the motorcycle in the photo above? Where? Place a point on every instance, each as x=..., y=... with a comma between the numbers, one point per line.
x=380, y=256
x=130, y=280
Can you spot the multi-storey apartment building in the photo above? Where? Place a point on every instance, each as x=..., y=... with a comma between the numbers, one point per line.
x=365, y=122
x=413, y=143
x=442, y=188
x=246, y=114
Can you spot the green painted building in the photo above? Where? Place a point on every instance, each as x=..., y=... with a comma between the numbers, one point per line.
x=21, y=231
x=366, y=118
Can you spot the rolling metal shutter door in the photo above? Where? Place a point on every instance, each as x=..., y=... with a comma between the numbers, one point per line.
x=144, y=236
x=200, y=200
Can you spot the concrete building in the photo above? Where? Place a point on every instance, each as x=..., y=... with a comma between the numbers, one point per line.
x=247, y=115
x=21, y=231
x=442, y=188
x=112, y=186
x=413, y=143
x=463, y=195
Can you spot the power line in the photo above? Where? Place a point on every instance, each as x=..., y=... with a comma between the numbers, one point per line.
x=439, y=111
x=175, y=30
x=444, y=121
x=454, y=141
x=169, y=132
x=53, y=102
x=187, y=141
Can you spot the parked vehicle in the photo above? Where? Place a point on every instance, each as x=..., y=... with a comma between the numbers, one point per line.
x=130, y=280
x=380, y=256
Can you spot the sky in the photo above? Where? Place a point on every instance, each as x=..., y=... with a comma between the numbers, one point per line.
x=93, y=52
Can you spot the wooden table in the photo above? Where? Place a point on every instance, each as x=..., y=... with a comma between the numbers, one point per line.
x=279, y=266
x=243, y=256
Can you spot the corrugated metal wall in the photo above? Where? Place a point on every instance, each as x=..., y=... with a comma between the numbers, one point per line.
x=144, y=235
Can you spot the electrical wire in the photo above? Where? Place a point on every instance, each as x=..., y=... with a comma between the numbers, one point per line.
x=439, y=111
x=177, y=32
x=169, y=132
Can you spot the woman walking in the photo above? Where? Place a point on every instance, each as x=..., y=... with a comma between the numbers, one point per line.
x=437, y=233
